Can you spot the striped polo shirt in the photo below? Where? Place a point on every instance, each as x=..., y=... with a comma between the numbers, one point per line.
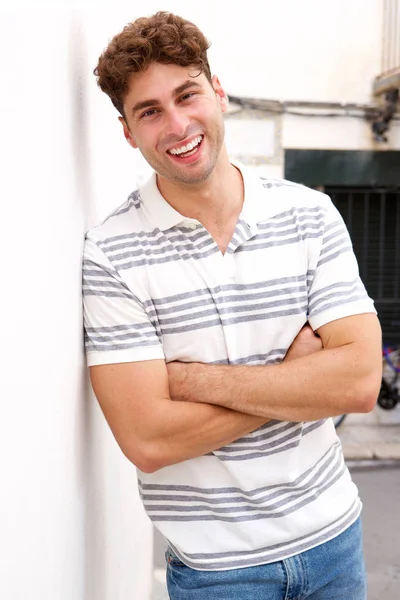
x=156, y=286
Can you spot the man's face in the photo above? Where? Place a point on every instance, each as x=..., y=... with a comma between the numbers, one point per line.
x=175, y=119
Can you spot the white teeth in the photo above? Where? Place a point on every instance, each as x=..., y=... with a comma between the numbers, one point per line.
x=188, y=147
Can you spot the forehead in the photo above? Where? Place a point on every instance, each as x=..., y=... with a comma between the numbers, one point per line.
x=159, y=81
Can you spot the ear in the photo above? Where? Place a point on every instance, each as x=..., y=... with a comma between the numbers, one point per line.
x=128, y=136
x=221, y=94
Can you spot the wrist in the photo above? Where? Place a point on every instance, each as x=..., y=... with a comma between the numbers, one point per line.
x=177, y=379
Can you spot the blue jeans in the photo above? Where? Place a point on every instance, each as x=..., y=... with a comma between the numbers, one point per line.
x=332, y=571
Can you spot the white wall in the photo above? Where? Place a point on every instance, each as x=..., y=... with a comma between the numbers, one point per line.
x=316, y=50
x=72, y=526
x=335, y=133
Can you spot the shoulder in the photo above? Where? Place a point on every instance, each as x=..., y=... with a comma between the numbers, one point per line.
x=289, y=193
x=126, y=219
x=280, y=199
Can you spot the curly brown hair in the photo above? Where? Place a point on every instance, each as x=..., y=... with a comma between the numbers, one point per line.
x=164, y=37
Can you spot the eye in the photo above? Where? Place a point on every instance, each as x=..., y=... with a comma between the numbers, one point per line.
x=148, y=113
x=188, y=95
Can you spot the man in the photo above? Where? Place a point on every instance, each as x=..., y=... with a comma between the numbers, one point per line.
x=201, y=294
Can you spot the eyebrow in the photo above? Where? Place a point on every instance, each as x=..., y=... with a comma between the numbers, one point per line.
x=152, y=101
x=187, y=84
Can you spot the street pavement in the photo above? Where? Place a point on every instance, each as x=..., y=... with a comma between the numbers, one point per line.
x=371, y=446
x=371, y=437
x=380, y=492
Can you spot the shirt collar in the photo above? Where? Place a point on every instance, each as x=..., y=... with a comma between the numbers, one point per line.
x=160, y=212
x=255, y=206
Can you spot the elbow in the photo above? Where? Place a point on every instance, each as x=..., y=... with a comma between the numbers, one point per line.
x=366, y=402
x=372, y=396
x=365, y=395
x=150, y=465
x=145, y=458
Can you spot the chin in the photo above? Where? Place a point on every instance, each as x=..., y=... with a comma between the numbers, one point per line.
x=193, y=178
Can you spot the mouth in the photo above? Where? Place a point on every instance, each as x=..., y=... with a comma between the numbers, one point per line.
x=187, y=150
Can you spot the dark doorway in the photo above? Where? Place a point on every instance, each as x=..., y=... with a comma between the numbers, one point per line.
x=365, y=188
x=372, y=216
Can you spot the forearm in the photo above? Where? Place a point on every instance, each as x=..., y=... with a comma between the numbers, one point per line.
x=326, y=383
x=185, y=430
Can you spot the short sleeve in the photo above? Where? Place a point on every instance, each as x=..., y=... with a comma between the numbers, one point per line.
x=335, y=288
x=116, y=326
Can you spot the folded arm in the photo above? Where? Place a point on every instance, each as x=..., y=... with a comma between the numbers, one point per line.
x=344, y=377
x=151, y=429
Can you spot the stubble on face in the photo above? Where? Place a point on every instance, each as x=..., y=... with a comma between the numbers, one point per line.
x=194, y=174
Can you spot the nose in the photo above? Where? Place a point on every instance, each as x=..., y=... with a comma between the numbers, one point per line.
x=176, y=125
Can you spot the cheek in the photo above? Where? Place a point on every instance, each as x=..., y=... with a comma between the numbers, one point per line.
x=141, y=139
x=150, y=145
x=214, y=112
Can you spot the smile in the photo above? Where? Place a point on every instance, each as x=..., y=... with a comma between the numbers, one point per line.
x=187, y=150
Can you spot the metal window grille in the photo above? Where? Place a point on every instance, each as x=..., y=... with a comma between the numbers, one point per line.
x=372, y=216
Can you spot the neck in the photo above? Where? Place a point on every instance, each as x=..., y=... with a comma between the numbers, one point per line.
x=217, y=199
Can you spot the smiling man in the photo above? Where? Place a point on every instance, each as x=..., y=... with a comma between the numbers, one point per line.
x=225, y=323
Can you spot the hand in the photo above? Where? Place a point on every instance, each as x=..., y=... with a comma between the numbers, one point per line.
x=306, y=342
